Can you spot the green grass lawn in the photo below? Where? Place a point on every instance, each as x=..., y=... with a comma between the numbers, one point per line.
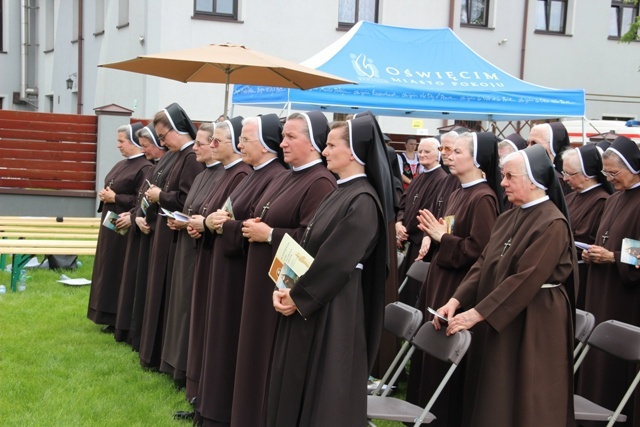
x=58, y=369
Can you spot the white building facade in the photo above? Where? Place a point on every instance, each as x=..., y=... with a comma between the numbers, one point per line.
x=45, y=43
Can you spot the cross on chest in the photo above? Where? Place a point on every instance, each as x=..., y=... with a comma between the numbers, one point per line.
x=506, y=246
x=265, y=208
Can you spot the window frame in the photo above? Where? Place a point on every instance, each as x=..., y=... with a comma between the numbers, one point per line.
x=348, y=25
x=123, y=14
x=217, y=16
x=621, y=5
x=487, y=14
x=1, y=27
x=547, y=17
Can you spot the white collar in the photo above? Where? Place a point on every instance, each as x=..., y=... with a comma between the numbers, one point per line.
x=634, y=186
x=255, y=168
x=472, y=183
x=352, y=177
x=433, y=168
x=232, y=164
x=216, y=163
x=591, y=188
x=188, y=144
x=308, y=165
x=535, y=202
x=135, y=156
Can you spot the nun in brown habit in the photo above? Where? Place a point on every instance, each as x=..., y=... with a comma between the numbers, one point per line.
x=118, y=196
x=330, y=320
x=286, y=206
x=149, y=143
x=175, y=129
x=260, y=148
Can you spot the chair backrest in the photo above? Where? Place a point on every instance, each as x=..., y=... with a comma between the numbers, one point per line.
x=617, y=338
x=585, y=322
x=402, y=320
x=436, y=343
x=418, y=270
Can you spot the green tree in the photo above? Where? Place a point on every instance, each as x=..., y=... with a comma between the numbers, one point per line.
x=632, y=34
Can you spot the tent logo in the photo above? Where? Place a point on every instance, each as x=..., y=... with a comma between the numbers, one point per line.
x=363, y=66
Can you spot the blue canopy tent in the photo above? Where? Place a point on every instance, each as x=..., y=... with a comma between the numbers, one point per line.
x=408, y=72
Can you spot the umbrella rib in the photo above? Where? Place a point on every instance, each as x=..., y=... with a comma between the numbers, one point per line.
x=286, y=78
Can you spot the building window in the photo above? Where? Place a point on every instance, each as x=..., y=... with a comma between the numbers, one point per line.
x=99, y=18
x=123, y=14
x=49, y=15
x=474, y=12
x=352, y=11
x=551, y=16
x=1, y=27
x=623, y=14
x=74, y=21
x=227, y=9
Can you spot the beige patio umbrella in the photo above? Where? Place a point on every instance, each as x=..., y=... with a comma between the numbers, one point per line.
x=228, y=63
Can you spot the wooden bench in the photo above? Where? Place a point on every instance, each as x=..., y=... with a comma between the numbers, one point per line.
x=24, y=237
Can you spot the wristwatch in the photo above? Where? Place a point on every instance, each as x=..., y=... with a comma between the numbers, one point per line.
x=270, y=238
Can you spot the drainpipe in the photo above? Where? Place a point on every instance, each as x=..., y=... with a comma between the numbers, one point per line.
x=523, y=47
x=23, y=49
x=80, y=52
x=452, y=7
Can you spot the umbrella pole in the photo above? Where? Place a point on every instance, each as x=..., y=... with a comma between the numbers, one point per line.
x=226, y=95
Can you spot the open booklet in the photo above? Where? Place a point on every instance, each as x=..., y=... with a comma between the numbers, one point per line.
x=110, y=222
x=177, y=215
x=291, y=262
x=630, y=251
x=228, y=207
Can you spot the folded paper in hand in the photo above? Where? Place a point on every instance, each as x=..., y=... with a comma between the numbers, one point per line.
x=291, y=262
x=177, y=215
x=110, y=222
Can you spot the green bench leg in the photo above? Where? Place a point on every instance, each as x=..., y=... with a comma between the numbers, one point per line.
x=3, y=261
x=17, y=264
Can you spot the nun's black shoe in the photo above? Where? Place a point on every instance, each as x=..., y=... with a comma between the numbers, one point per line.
x=183, y=415
x=109, y=329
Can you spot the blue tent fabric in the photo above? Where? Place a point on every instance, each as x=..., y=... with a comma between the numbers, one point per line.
x=409, y=72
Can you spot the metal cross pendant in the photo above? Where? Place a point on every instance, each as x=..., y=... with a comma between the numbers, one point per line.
x=265, y=208
x=605, y=236
x=506, y=246
x=415, y=198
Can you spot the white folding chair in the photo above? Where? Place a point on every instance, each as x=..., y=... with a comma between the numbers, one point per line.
x=585, y=322
x=403, y=321
x=618, y=339
x=436, y=343
x=418, y=271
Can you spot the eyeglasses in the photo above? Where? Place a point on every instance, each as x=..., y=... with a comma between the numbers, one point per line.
x=201, y=144
x=216, y=142
x=162, y=137
x=610, y=175
x=244, y=140
x=569, y=175
x=509, y=176
x=445, y=149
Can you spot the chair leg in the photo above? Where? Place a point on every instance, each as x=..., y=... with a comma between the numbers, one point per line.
x=624, y=400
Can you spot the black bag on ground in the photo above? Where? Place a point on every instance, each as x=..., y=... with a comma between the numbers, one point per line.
x=69, y=262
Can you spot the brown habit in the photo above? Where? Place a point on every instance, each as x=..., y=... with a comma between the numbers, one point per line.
x=421, y=194
x=287, y=205
x=225, y=300
x=176, y=337
x=613, y=292
x=585, y=210
x=124, y=179
x=520, y=363
x=475, y=210
x=174, y=194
